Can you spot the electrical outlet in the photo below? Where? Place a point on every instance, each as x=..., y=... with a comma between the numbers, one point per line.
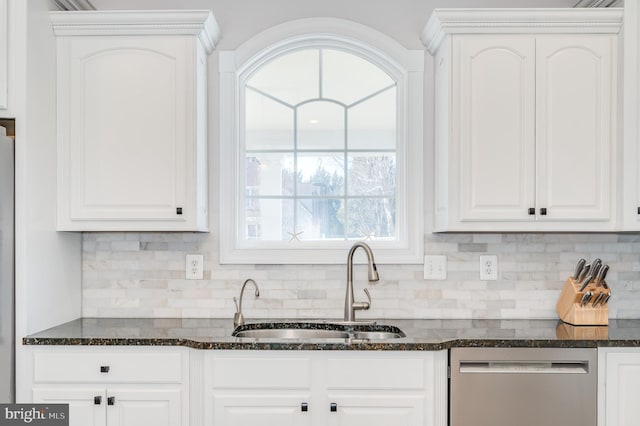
x=435, y=267
x=194, y=267
x=489, y=267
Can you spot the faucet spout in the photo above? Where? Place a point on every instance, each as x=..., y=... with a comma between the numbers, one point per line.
x=350, y=305
x=238, y=318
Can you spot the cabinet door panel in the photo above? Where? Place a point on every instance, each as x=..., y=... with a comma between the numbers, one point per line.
x=575, y=99
x=495, y=103
x=377, y=410
x=127, y=100
x=83, y=411
x=622, y=375
x=264, y=410
x=135, y=407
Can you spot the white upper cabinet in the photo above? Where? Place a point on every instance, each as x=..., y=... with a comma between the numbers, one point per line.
x=4, y=61
x=132, y=141
x=525, y=119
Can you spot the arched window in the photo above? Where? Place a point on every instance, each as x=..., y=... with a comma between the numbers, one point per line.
x=321, y=150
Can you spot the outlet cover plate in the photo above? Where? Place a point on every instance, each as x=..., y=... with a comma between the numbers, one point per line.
x=489, y=267
x=435, y=267
x=194, y=267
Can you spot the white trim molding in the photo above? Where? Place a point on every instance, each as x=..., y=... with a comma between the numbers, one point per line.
x=200, y=23
x=530, y=21
x=406, y=66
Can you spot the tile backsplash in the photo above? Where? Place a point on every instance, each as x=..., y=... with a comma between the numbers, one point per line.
x=143, y=275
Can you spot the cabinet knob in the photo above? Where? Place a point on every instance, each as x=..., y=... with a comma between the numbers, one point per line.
x=638, y=210
x=334, y=407
x=532, y=210
x=104, y=368
x=97, y=400
x=178, y=210
x=543, y=211
x=304, y=407
x=111, y=400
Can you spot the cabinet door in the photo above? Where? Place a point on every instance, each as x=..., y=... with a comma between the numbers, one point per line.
x=621, y=388
x=264, y=410
x=135, y=407
x=575, y=107
x=376, y=410
x=494, y=104
x=129, y=131
x=86, y=404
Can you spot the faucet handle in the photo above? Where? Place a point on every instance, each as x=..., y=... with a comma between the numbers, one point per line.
x=363, y=306
x=235, y=300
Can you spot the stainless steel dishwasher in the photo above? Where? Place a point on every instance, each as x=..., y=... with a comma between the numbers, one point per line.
x=523, y=387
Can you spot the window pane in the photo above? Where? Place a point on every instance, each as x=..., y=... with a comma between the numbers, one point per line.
x=269, y=174
x=371, y=218
x=348, y=78
x=269, y=124
x=320, y=126
x=372, y=123
x=268, y=219
x=320, y=219
x=372, y=174
x=321, y=174
x=292, y=78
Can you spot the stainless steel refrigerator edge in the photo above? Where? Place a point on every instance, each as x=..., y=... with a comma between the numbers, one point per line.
x=7, y=374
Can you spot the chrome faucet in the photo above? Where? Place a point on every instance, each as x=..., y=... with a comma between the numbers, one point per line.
x=351, y=306
x=238, y=318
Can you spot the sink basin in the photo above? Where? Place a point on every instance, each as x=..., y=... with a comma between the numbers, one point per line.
x=315, y=330
x=292, y=333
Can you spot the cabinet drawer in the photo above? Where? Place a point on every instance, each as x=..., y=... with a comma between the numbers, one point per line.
x=91, y=367
x=367, y=373
x=262, y=373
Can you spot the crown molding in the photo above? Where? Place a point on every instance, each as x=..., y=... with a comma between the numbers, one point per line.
x=444, y=22
x=199, y=23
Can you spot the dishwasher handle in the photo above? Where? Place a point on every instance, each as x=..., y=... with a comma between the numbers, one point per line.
x=524, y=367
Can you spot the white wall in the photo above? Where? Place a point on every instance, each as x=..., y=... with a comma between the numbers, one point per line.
x=47, y=262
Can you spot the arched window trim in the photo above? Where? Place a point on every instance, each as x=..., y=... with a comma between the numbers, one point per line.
x=404, y=66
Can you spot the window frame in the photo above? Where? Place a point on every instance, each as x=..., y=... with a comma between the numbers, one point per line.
x=406, y=67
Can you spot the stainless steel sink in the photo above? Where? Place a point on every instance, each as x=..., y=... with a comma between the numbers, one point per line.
x=292, y=333
x=302, y=331
x=376, y=335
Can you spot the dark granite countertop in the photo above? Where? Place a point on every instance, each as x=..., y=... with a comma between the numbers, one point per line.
x=427, y=335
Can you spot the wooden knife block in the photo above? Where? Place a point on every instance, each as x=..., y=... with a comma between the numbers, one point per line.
x=570, y=311
x=581, y=332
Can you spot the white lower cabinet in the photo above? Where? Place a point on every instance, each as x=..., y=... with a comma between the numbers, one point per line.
x=107, y=387
x=260, y=409
x=377, y=409
x=333, y=388
x=94, y=406
x=618, y=386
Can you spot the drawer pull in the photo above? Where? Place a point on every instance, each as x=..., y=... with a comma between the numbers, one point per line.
x=304, y=407
x=334, y=407
x=532, y=211
x=97, y=400
x=104, y=368
x=543, y=211
x=111, y=400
